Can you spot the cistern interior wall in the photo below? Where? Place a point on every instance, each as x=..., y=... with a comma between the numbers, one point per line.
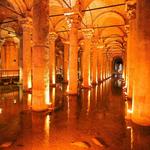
x=76, y=42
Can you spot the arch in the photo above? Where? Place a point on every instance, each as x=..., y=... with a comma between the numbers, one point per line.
x=117, y=14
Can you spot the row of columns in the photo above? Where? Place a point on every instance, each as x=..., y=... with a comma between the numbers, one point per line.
x=38, y=56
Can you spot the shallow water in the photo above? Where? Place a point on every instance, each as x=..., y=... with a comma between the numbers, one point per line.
x=97, y=113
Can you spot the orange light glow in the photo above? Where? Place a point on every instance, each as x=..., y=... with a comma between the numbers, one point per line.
x=1, y=110
x=89, y=102
x=29, y=100
x=47, y=125
x=29, y=81
x=47, y=98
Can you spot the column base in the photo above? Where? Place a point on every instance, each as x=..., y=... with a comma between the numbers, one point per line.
x=29, y=90
x=94, y=83
x=86, y=86
x=71, y=93
x=39, y=109
x=52, y=84
x=65, y=82
x=141, y=121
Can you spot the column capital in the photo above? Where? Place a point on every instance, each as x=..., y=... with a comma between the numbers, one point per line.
x=131, y=9
x=127, y=28
x=53, y=36
x=26, y=23
x=87, y=33
x=72, y=19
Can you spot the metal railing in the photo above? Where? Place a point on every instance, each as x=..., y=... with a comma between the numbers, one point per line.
x=8, y=76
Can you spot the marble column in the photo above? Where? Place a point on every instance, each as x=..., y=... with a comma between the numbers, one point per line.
x=94, y=65
x=40, y=56
x=66, y=61
x=26, y=47
x=141, y=87
x=100, y=63
x=53, y=36
x=131, y=47
x=87, y=33
x=73, y=56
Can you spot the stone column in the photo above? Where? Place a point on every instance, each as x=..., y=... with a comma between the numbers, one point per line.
x=100, y=63
x=73, y=55
x=66, y=62
x=26, y=47
x=104, y=67
x=131, y=47
x=87, y=33
x=94, y=65
x=141, y=86
x=53, y=36
x=40, y=56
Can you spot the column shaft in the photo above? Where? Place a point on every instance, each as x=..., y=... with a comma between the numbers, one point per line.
x=141, y=87
x=40, y=55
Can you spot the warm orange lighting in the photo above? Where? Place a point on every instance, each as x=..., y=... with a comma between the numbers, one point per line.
x=53, y=96
x=29, y=100
x=53, y=77
x=29, y=81
x=47, y=125
x=89, y=102
x=15, y=101
x=1, y=110
x=47, y=99
x=68, y=108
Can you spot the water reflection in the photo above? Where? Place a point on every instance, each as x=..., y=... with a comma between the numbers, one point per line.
x=95, y=112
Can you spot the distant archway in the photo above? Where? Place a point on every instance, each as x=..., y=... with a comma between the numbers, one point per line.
x=117, y=67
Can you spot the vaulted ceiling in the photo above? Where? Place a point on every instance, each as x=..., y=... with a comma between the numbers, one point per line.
x=107, y=18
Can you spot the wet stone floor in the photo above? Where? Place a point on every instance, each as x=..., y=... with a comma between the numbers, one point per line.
x=94, y=120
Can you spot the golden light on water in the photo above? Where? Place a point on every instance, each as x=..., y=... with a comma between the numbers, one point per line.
x=47, y=125
x=89, y=102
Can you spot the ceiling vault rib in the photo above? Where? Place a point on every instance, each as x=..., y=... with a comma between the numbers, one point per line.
x=11, y=10
x=8, y=21
x=109, y=6
x=67, y=4
x=117, y=25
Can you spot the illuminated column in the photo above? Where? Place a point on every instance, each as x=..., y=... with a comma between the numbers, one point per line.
x=73, y=56
x=2, y=55
x=53, y=36
x=94, y=66
x=26, y=47
x=131, y=46
x=40, y=55
x=86, y=57
x=100, y=63
x=104, y=66
x=66, y=62
x=141, y=89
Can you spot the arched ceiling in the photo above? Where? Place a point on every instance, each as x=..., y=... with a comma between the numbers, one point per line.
x=106, y=17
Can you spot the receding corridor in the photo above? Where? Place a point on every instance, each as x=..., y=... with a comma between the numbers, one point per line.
x=96, y=113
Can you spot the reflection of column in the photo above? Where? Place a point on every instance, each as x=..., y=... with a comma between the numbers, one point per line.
x=53, y=37
x=66, y=61
x=141, y=87
x=40, y=55
x=86, y=57
x=27, y=28
x=131, y=46
x=73, y=56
